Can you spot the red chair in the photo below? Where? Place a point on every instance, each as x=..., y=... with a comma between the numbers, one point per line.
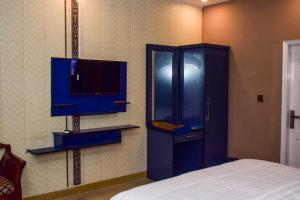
x=11, y=167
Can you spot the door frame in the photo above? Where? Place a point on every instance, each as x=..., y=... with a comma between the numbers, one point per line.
x=286, y=79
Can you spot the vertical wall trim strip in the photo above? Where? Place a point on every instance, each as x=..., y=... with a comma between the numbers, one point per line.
x=75, y=29
x=76, y=118
x=66, y=54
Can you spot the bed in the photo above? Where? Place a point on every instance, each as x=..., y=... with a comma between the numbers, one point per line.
x=239, y=180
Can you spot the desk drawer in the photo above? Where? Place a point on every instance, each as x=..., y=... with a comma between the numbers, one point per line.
x=186, y=137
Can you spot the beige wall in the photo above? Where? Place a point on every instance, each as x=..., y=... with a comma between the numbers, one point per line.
x=32, y=31
x=255, y=29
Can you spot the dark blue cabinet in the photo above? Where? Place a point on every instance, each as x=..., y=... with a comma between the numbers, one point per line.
x=186, y=86
x=216, y=97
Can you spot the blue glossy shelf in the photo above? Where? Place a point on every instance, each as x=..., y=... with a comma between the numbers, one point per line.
x=83, y=139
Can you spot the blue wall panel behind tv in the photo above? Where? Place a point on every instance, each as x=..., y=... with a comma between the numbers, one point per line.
x=63, y=103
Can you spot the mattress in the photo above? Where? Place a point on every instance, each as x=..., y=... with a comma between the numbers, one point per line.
x=239, y=180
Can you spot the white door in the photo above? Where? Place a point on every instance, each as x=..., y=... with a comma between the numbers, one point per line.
x=294, y=115
x=292, y=101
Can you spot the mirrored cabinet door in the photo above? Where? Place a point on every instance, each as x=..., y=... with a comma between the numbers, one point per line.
x=192, y=75
x=162, y=86
x=162, y=97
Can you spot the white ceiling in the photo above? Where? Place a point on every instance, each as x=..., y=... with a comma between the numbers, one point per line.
x=199, y=3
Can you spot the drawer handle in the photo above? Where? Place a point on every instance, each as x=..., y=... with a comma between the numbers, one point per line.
x=190, y=136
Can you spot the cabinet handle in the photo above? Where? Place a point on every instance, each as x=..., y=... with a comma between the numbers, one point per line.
x=207, y=109
x=190, y=136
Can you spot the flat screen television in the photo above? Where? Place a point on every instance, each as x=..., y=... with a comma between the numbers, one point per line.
x=95, y=77
x=87, y=87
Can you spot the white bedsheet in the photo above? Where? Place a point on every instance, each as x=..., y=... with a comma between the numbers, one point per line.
x=239, y=180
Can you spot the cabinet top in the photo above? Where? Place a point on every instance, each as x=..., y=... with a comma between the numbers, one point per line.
x=205, y=45
x=190, y=46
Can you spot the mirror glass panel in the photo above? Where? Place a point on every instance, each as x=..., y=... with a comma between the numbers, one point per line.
x=193, y=87
x=162, y=86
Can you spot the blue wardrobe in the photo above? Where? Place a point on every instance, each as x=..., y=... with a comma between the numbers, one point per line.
x=187, y=93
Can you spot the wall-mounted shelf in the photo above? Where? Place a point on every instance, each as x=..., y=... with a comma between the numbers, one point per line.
x=108, y=128
x=83, y=139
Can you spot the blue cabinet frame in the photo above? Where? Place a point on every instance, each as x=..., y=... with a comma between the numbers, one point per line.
x=195, y=146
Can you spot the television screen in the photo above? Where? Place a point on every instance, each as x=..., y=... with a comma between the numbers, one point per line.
x=95, y=77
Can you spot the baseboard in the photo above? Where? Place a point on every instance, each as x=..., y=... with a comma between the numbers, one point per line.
x=87, y=187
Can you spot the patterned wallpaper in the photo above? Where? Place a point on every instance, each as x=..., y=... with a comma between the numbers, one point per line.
x=32, y=31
